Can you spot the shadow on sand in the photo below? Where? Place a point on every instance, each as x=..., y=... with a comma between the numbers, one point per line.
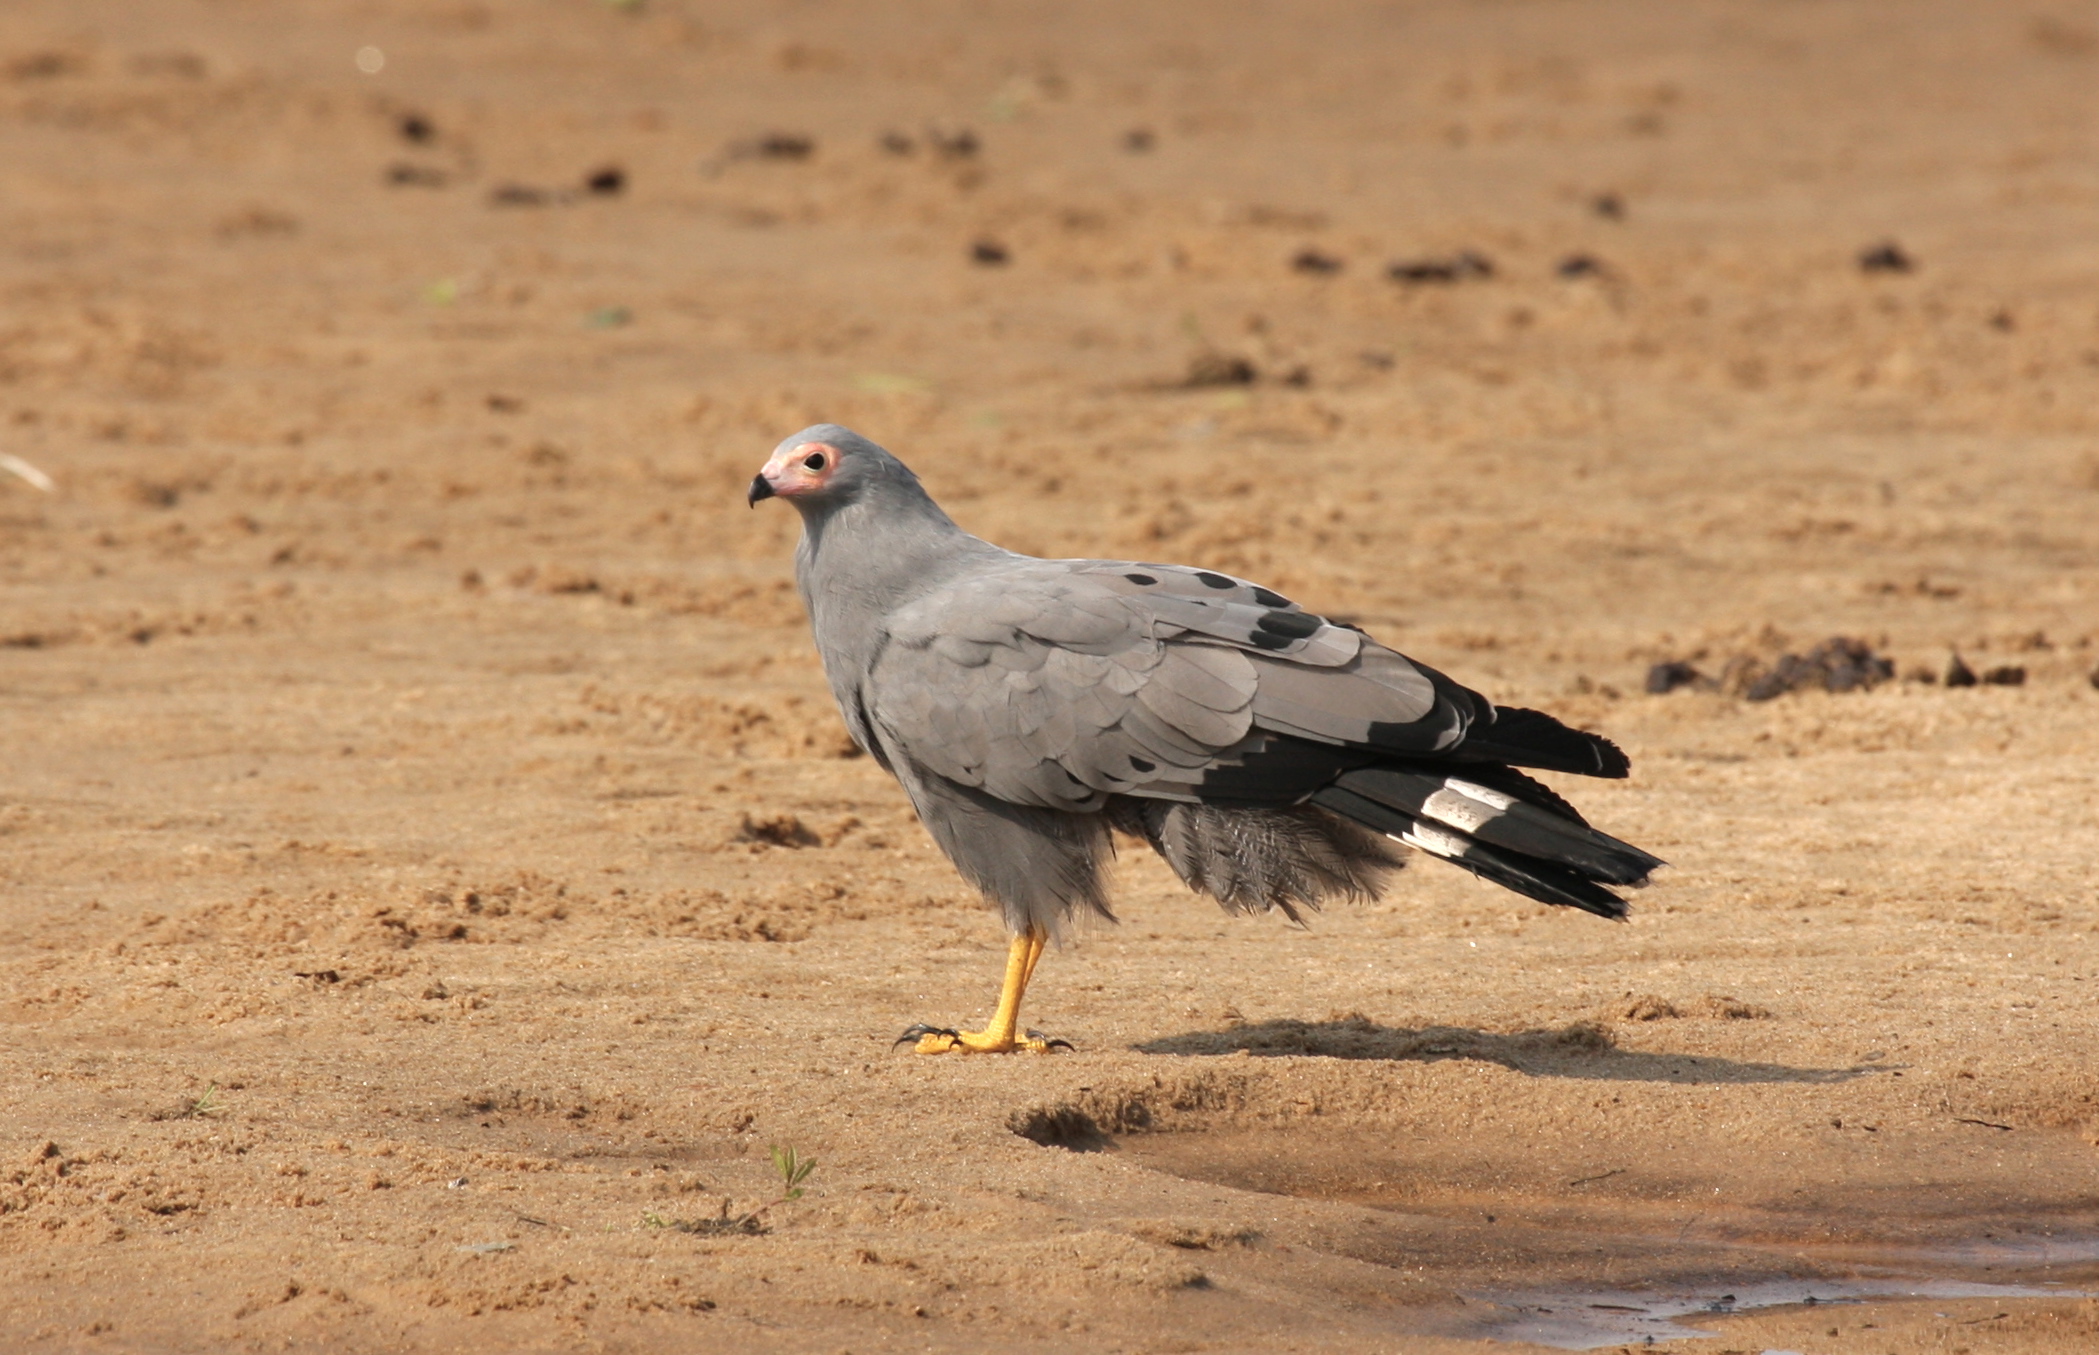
x=1582, y=1050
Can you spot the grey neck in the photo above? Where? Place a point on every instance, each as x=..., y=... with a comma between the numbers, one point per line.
x=861, y=560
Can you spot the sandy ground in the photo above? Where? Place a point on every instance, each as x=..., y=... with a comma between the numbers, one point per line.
x=432, y=877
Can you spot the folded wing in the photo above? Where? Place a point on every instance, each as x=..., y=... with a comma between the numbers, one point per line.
x=1057, y=683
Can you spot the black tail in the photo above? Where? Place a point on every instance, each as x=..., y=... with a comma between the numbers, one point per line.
x=1531, y=738
x=1492, y=827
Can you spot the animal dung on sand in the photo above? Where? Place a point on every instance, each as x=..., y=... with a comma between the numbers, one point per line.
x=1839, y=664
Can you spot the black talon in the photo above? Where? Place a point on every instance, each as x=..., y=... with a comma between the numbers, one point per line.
x=1048, y=1043
x=919, y=1032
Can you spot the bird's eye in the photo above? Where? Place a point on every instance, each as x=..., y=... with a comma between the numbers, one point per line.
x=814, y=461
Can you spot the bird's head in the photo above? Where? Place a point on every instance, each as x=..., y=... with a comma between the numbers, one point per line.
x=824, y=467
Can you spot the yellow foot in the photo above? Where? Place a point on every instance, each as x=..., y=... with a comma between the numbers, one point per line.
x=940, y=1040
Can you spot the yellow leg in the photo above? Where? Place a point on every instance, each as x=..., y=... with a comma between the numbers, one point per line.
x=1037, y=941
x=1003, y=1035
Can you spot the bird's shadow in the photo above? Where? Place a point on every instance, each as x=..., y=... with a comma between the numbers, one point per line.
x=1581, y=1050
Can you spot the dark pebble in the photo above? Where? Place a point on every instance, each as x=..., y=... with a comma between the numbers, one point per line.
x=956, y=145
x=1465, y=264
x=1886, y=258
x=404, y=175
x=1580, y=266
x=896, y=143
x=1220, y=369
x=414, y=127
x=1664, y=678
x=1313, y=262
x=1959, y=674
x=518, y=195
x=2006, y=675
x=1139, y=140
x=44, y=66
x=1422, y=270
x=607, y=182
x=989, y=253
x=1609, y=206
x=781, y=146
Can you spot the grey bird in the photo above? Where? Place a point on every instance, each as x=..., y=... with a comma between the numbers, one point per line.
x=1031, y=707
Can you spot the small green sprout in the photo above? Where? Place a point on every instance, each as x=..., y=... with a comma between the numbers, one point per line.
x=793, y=1170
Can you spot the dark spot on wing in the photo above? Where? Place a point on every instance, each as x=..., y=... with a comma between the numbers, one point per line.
x=1269, y=599
x=1143, y=766
x=1289, y=625
x=1261, y=639
x=1145, y=579
x=1214, y=580
x=1417, y=736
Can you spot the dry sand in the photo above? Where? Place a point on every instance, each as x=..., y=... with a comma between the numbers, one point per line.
x=432, y=876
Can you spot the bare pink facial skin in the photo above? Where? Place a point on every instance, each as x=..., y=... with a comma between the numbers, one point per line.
x=801, y=469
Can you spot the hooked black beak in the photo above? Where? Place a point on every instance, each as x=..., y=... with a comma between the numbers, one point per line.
x=760, y=489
